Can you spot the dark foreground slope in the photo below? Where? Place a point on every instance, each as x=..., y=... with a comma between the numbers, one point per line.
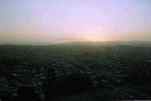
x=75, y=72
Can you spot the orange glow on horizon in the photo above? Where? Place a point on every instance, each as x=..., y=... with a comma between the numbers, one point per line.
x=95, y=38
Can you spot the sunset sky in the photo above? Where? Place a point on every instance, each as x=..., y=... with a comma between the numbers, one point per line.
x=47, y=21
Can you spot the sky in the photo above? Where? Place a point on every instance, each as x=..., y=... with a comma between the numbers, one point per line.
x=51, y=21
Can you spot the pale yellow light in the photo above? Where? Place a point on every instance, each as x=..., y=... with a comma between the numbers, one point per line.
x=94, y=38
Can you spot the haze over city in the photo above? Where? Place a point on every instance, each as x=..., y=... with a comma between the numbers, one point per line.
x=75, y=50
x=51, y=21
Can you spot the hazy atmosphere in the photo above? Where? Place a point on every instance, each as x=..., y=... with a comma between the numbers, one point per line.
x=75, y=50
x=50, y=21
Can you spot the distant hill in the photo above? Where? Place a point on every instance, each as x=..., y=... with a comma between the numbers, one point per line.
x=89, y=43
x=107, y=43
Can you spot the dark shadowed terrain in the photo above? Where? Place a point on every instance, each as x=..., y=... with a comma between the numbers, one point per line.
x=75, y=72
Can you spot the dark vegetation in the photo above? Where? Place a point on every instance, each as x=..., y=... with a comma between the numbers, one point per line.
x=75, y=72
